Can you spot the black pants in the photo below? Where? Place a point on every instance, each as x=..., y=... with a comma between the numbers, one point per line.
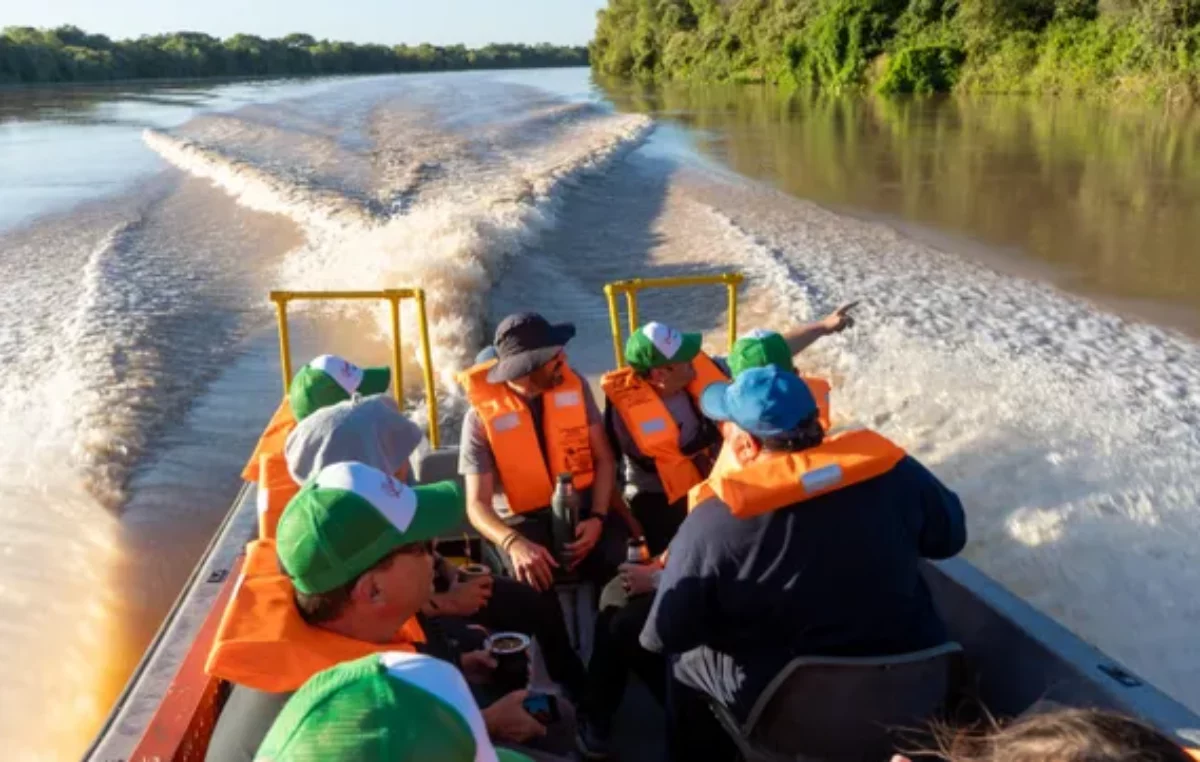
x=503, y=613
x=693, y=731
x=615, y=646
x=515, y=606
x=616, y=651
x=704, y=674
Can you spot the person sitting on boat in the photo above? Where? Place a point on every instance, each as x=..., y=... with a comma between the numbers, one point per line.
x=801, y=545
x=354, y=568
x=672, y=448
x=369, y=430
x=324, y=395
x=325, y=380
x=387, y=707
x=533, y=418
x=372, y=430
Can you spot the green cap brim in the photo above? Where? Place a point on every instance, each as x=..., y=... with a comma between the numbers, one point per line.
x=508, y=755
x=689, y=348
x=441, y=509
x=375, y=381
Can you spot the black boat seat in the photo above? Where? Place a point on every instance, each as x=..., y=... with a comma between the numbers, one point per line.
x=844, y=709
x=435, y=465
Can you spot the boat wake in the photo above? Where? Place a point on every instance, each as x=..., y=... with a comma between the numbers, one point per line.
x=454, y=240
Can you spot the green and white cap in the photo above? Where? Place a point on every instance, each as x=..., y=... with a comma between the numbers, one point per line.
x=350, y=516
x=388, y=707
x=657, y=344
x=330, y=379
x=758, y=349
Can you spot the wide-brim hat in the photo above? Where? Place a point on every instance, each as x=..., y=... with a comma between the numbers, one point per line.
x=525, y=342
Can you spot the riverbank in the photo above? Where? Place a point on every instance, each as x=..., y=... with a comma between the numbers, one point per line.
x=1107, y=49
x=69, y=54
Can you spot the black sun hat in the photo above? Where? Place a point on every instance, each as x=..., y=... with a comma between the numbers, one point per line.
x=525, y=342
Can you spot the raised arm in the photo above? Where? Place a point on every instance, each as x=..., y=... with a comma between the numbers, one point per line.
x=800, y=338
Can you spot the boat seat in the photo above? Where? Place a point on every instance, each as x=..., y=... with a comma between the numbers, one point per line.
x=435, y=465
x=844, y=709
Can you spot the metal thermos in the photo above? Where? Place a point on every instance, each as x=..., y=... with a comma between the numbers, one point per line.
x=565, y=508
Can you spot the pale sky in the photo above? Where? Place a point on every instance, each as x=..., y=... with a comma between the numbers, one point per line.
x=441, y=22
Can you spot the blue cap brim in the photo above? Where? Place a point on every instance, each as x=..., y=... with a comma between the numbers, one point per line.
x=714, y=403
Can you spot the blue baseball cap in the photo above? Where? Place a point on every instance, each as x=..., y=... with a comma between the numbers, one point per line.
x=764, y=402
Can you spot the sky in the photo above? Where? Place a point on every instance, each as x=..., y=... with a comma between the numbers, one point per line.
x=441, y=22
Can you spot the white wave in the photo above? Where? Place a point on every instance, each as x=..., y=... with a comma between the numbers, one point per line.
x=314, y=208
x=453, y=245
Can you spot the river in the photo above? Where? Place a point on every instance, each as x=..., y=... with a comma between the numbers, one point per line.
x=1029, y=275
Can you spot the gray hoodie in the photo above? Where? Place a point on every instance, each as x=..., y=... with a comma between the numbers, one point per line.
x=370, y=430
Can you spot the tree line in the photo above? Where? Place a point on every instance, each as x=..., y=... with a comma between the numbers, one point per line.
x=1116, y=47
x=68, y=54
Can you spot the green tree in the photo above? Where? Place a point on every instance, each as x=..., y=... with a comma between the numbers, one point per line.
x=68, y=54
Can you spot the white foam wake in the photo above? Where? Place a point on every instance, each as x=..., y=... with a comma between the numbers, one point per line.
x=314, y=208
x=453, y=246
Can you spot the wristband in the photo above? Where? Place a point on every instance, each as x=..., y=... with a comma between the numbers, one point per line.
x=509, y=539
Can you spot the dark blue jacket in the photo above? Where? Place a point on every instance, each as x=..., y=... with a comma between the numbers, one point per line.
x=837, y=575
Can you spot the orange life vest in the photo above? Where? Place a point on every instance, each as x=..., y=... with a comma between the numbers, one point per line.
x=782, y=479
x=275, y=490
x=528, y=484
x=261, y=560
x=820, y=390
x=263, y=643
x=651, y=426
x=272, y=440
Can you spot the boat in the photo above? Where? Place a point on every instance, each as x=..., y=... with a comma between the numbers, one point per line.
x=1013, y=656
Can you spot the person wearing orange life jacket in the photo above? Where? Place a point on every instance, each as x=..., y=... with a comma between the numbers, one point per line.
x=353, y=547
x=325, y=380
x=321, y=418
x=532, y=418
x=805, y=545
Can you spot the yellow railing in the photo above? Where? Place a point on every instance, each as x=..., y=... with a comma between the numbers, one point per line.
x=393, y=296
x=630, y=289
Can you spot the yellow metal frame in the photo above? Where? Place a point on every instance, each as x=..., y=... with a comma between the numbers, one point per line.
x=393, y=296
x=630, y=289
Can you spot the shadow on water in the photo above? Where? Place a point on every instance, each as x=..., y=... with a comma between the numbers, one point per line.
x=1104, y=196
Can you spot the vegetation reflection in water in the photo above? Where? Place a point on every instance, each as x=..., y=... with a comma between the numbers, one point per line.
x=1109, y=196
